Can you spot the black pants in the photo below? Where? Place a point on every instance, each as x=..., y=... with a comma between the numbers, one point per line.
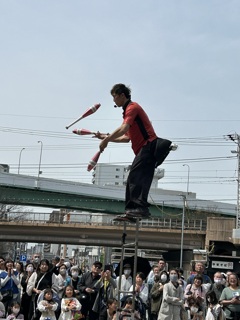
x=140, y=177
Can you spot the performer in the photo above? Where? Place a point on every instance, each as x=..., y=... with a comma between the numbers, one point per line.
x=137, y=128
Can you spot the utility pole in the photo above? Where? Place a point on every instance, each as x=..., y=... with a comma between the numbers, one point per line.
x=182, y=233
x=236, y=139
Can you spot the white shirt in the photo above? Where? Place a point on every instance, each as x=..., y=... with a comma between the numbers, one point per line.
x=125, y=285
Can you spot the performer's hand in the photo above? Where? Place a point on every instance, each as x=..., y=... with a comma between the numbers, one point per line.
x=97, y=135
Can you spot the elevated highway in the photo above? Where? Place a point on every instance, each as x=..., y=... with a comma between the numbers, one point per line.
x=52, y=193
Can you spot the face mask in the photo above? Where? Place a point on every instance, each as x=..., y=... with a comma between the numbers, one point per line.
x=127, y=272
x=74, y=274
x=30, y=269
x=36, y=260
x=62, y=271
x=15, y=310
x=173, y=277
x=218, y=281
x=164, y=277
x=194, y=309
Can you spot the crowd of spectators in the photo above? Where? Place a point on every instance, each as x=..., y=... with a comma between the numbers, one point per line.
x=60, y=290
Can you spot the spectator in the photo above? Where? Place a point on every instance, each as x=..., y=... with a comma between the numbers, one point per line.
x=126, y=280
x=110, y=312
x=228, y=273
x=68, y=266
x=194, y=310
x=88, y=290
x=197, y=291
x=128, y=310
x=214, y=307
x=150, y=283
x=181, y=279
x=230, y=298
x=161, y=266
x=35, y=260
x=141, y=288
x=47, y=306
x=56, y=263
x=2, y=265
x=76, y=277
x=9, y=284
x=63, y=280
x=217, y=286
x=40, y=280
x=172, y=298
x=150, y=280
x=26, y=299
x=20, y=270
x=69, y=304
x=157, y=294
x=2, y=308
x=15, y=312
x=106, y=287
x=199, y=270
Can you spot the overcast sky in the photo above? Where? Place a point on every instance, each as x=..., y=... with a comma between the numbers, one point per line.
x=180, y=58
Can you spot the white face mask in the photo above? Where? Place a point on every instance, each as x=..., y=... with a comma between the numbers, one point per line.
x=218, y=281
x=194, y=309
x=127, y=272
x=15, y=310
x=36, y=260
x=74, y=274
x=30, y=269
x=164, y=277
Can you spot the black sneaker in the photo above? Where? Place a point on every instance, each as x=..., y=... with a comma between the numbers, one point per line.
x=140, y=212
x=125, y=218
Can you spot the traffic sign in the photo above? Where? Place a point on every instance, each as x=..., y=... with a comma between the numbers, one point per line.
x=23, y=258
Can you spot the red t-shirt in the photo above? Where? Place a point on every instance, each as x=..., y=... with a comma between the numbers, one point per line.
x=134, y=133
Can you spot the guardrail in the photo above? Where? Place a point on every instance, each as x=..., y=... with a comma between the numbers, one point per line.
x=99, y=219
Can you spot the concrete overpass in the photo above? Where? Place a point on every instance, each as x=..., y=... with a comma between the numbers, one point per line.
x=159, y=234
x=52, y=193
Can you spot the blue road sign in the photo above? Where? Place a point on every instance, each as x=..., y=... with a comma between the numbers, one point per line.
x=23, y=258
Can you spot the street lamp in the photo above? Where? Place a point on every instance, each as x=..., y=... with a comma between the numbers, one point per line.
x=182, y=233
x=188, y=176
x=19, y=161
x=40, y=159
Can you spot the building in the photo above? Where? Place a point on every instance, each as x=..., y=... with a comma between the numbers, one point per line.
x=108, y=174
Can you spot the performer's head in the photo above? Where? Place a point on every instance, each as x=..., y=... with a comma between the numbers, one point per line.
x=121, y=94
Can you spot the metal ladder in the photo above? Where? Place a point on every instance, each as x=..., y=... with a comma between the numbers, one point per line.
x=124, y=246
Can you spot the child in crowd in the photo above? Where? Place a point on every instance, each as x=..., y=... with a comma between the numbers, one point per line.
x=15, y=312
x=194, y=310
x=70, y=306
x=47, y=306
x=127, y=311
x=214, y=310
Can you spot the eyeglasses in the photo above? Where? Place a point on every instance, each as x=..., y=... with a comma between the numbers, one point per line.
x=36, y=256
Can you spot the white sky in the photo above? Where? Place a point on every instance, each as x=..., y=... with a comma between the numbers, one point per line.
x=181, y=59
